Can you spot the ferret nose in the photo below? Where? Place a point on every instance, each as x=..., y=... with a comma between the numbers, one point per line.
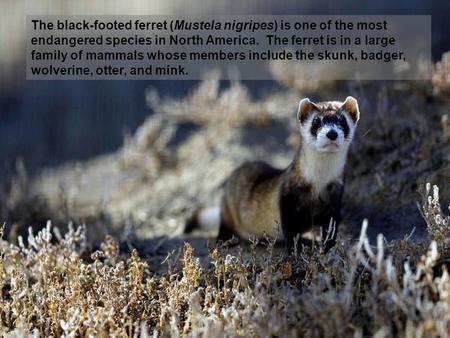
x=332, y=135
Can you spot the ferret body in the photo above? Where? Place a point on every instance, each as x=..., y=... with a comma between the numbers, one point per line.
x=262, y=201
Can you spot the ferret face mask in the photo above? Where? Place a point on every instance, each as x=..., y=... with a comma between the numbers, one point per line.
x=328, y=127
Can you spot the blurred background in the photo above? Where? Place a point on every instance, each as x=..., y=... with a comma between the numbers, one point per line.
x=49, y=122
x=144, y=154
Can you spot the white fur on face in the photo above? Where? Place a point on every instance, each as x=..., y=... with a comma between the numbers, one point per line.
x=320, y=142
x=324, y=145
x=305, y=131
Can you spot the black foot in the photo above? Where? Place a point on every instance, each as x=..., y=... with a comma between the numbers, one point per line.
x=225, y=234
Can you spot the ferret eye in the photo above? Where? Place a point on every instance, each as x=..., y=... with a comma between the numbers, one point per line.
x=315, y=125
x=343, y=121
x=316, y=122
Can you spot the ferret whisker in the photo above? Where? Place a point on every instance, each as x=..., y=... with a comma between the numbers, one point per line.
x=367, y=132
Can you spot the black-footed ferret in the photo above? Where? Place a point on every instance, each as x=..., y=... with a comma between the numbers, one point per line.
x=260, y=200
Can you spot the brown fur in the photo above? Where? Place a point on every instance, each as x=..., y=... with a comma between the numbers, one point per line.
x=250, y=202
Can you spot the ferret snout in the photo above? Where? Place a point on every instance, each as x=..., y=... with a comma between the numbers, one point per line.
x=332, y=134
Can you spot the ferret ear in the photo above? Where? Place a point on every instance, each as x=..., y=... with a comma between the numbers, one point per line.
x=305, y=107
x=350, y=105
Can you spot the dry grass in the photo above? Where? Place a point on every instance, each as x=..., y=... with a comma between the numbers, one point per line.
x=54, y=285
x=441, y=75
x=220, y=112
x=301, y=76
x=51, y=286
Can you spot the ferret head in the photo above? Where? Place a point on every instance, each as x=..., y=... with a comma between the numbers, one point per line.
x=328, y=127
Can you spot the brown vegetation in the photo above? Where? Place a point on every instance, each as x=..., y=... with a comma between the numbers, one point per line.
x=368, y=285
x=391, y=289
